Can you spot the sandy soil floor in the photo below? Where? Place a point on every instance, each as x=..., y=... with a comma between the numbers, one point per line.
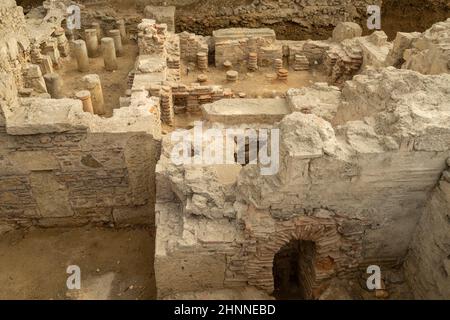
x=115, y=264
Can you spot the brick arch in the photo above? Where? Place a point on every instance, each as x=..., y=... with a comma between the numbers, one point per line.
x=323, y=232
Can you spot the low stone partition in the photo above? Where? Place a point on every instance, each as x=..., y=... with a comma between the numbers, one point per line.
x=239, y=111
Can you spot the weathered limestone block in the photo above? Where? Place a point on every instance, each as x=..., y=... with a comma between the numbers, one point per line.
x=152, y=38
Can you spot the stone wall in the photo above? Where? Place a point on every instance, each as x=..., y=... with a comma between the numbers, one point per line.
x=61, y=166
x=294, y=19
x=427, y=266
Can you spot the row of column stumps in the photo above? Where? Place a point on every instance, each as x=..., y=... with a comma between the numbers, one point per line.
x=111, y=48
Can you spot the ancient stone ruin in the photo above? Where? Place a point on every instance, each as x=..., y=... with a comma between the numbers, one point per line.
x=273, y=150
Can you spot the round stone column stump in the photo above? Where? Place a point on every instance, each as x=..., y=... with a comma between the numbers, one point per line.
x=91, y=42
x=202, y=78
x=252, y=61
x=232, y=76
x=283, y=74
x=120, y=25
x=202, y=61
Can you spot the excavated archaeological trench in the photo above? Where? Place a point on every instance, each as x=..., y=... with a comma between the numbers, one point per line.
x=364, y=156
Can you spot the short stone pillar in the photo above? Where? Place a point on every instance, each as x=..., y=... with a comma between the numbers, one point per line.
x=81, y=54
x=98, y=28
x=109, y=54
x=54, y=85
x=232, y=76
x=93, y=84
x=115, y=34
x=167, y=111
x=120, y=25
x=85, y=97
x=278, y=64
x=91, y=42
x=202, y=78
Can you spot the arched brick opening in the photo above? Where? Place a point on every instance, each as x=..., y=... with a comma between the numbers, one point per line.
x=324, y=234
x=293, y=270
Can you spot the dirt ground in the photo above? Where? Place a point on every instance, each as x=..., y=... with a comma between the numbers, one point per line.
x=114, y=83
x=114, y=264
